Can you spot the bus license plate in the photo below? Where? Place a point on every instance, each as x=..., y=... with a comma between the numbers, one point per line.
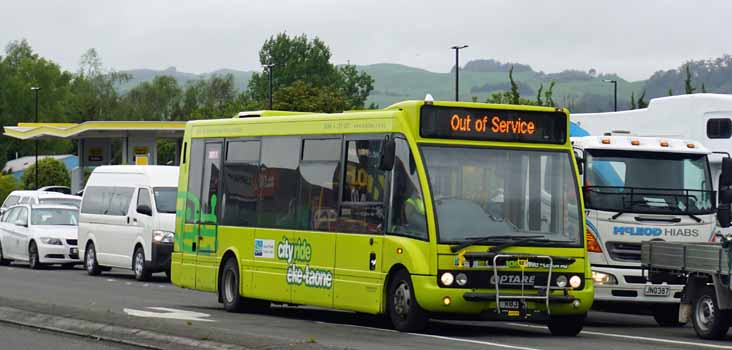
x=509, y=304
x=657, y=291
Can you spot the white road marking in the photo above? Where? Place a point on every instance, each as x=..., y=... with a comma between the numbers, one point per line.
x=499, y=345
x=635, y=337
x=128, y=283
x=168, y=313
x=111, y=280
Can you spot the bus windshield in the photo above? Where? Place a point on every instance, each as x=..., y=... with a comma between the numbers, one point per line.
x=648, y=182
x=483, y=192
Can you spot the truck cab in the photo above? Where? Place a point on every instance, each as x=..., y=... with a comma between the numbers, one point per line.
x=639, y=189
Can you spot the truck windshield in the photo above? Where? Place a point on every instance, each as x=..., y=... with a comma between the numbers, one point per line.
x=483, y=192
x=648, y=182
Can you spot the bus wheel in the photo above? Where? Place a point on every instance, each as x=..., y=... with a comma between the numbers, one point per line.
x=709, y=321
x=229, y=287
x=667, y=315
x=566, y=325
x=405, y=314
x=90, y=260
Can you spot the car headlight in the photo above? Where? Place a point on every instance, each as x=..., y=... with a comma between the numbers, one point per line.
x=461, y=279
x=51, y=241
x=601, y=278
x=575, y=281
x=447, y=278
x=163, y=236
x=561, y=281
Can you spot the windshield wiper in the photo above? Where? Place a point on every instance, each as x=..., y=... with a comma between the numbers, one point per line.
x=525, y=239
x=485, y=239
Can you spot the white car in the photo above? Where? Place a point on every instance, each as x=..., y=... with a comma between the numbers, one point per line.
x=39, y=197
x=40, y=235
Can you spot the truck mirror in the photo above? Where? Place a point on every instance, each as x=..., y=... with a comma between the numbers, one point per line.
x=724, y=216
x=388, y=153
x=144, y=210
x=725, y=196
x=725, y=177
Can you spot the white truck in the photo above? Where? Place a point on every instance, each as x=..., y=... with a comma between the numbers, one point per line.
x=637, y=189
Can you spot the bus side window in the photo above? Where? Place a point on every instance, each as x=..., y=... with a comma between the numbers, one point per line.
x=195, y=174
x=239, y=198
x=278, y=183
x=407, y=215
x=362, y=199
x=319, y=181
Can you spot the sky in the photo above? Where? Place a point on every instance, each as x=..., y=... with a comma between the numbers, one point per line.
x=630, y=37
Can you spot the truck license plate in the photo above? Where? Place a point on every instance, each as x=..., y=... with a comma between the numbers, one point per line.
x=657, y=291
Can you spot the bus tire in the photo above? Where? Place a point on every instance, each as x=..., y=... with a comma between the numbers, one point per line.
x=142, y=273
x=566, y=325
x=709, y=321
x=229, y=287
x=405, y=313
x=667, y=315
x=34, y=261
x=90, y=260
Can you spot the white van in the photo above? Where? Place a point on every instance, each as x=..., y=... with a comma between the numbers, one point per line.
x=127, y=219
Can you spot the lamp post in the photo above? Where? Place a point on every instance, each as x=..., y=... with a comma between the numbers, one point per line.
x=36, y=89
x=457, y=49
x=615, y=92
x=269, y=73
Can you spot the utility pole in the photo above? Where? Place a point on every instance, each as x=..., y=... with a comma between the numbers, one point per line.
x=269, y=71
x=36, y=89
x=615, y=92
x=457, y=49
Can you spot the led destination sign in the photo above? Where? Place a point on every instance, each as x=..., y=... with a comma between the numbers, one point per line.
x=492, y=124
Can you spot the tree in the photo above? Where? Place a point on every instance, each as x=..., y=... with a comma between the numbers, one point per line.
x=641, y=100
x=548, y=100
x=306, y=63
x=7, y=185
x=539, y=102
x=632, y=100
x=96, y=96
x=687, y=81
x=51, y=172
x=703, y=89
x=670, y=92
x=515, y=96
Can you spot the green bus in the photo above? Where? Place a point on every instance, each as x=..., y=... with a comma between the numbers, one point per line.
x=422, y=209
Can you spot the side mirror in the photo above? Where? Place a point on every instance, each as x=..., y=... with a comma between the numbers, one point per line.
x=724, y=216
x=725, y=195
x=388, y=153
x=725, y=177
x=144, y=210
x=579, y=158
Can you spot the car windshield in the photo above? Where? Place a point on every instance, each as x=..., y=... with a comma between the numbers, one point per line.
x=49, y=216
x=482, y=192
x=648, y=182
x=165, y=199
x=61, y=201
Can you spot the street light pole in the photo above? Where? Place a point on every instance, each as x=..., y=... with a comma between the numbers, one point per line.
x=36, y=89
x=457, y=69
x=269, y=71
x=615, y=92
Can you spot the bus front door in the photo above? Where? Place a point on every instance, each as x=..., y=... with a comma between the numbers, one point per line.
x=206, y=240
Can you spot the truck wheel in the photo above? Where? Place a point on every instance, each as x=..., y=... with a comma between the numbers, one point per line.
x=405, y=314
x=709, y=321
x=667, y=315
x=138, y=265
x=566, y=325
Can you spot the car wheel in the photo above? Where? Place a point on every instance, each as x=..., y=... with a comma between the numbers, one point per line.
x=405, y=314
x=138, y=265
x=34, y=261
x=90, y=260
x=3, y=261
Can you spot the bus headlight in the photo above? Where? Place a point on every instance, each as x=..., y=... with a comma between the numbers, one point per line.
x=561, y=281
x=601, y=278
x=461, y=279
x=163, y=236
x=575, y=281
x=447, y=279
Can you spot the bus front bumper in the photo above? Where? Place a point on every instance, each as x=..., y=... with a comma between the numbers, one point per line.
x=482, y=302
